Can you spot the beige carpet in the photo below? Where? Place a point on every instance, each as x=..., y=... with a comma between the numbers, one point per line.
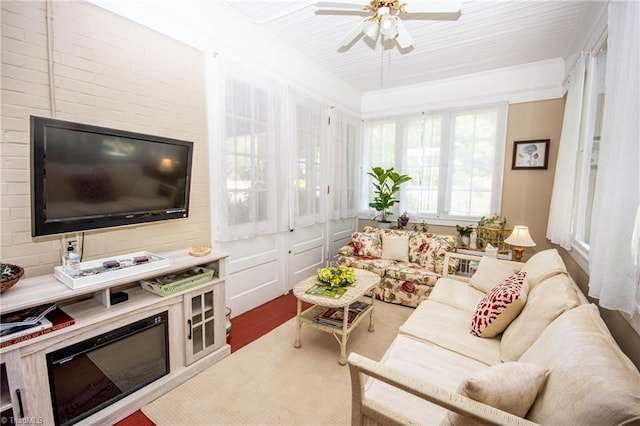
x=269, y=382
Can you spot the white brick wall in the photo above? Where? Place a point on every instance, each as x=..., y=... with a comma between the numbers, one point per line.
x=110, y=72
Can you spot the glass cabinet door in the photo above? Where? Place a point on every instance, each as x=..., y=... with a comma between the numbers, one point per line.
x=202, y=321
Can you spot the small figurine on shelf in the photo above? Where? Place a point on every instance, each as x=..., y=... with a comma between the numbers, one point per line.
x=464, y=235
x=403, y=220
x=422, y=227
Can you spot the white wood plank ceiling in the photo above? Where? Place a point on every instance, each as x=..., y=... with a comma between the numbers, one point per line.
x=489, y=34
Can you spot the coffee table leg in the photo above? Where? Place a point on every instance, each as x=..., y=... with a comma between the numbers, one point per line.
x=373, y=306
x=298, y=325
x=345, y=336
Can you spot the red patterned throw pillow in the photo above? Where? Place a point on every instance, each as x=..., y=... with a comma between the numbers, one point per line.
x=366, y=244
x=500, y=306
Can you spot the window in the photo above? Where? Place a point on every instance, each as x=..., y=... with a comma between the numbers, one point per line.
x=344, y=168
x=455, y=159
x=248, y=172
x=311, y=124
x=589, y=147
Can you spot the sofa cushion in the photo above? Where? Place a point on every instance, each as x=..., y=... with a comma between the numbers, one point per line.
x=543, y=265
x=448, y=327
x=418, y=245
x=366, y=244
x=500, y=306
x=426, y=362
x=490, y=273
x=411, y=272
x=378, y=266
x=403, y=292
x=591, y=381
x=457, y=294
x=395, y=247
x=438, y=247
x=545, y=302
x=510, y=387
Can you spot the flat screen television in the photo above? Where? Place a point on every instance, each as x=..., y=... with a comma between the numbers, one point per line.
x=86, y=177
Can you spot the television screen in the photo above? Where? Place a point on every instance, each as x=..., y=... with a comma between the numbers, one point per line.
x=86, y=177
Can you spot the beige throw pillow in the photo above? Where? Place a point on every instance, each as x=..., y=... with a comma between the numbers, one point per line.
x=490, y=273
x=545, y=302
x=543, y=265
x=395, y=247
x=500, y=306
x=510, y=387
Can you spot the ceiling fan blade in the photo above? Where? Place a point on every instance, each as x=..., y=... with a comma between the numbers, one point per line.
x=433, y=6
x=431, y=16
x=341, y=4
x=403, y=38
x=353, y=34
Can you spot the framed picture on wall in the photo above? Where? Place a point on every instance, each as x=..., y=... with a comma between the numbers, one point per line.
x=530, y=154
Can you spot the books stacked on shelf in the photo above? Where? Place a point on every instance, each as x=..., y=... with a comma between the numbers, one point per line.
x=334, y=317
x=32, y=322
x=166, y=285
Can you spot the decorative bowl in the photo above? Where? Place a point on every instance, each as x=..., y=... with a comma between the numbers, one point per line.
x=10, y=275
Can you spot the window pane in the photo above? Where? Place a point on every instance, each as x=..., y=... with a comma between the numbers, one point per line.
x=423, y=163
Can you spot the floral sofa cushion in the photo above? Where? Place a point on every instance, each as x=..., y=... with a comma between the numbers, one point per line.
x=411, y=272
x=366, y=244
x=402, y=292
x=375, y=265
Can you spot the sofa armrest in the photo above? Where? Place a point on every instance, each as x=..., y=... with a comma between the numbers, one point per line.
x=360, y=367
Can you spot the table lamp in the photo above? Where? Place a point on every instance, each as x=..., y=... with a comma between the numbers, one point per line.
x=520, y=238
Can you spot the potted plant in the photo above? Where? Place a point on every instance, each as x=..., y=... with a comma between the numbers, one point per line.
x=387, y=184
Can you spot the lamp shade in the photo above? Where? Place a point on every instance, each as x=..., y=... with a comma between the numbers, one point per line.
x=520, y=237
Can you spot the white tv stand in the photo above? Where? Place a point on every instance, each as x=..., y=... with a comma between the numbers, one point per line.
x=197, y=334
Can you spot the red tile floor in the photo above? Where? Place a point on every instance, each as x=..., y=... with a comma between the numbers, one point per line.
x=245, y=329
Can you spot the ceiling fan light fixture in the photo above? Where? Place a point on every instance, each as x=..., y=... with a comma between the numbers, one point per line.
x=388, y=26
x=372, y=29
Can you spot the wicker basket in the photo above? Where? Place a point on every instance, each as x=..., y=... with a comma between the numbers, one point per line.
x=10, y=281
x=493, y=236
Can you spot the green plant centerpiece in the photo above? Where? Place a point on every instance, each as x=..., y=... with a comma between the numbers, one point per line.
x=386, y=183
x=337, y=276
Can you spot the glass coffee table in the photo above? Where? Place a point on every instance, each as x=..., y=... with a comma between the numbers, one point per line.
x=365, y=282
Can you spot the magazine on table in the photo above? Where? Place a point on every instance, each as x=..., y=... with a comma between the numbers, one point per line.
x=335, y=316
x=327, y=291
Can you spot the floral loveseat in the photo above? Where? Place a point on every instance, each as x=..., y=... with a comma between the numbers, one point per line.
x=409, y=262
x=516, y=344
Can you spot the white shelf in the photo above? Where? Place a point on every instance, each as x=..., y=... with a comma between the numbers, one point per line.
x=47, y=289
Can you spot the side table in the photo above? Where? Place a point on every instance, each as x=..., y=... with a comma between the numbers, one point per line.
x=365, y=282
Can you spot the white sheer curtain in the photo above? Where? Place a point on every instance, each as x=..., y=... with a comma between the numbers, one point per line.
x=613, y=255
x=247, y=170
x=308, y=133
x=344, y=170
x=561, y=210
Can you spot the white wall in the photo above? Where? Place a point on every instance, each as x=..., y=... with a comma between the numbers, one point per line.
x=211, y=26
x=107, y=71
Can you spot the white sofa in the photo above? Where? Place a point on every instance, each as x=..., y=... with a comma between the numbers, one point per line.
x=554, y=364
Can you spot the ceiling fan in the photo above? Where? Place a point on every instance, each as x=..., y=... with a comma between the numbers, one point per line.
x=383, y=18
